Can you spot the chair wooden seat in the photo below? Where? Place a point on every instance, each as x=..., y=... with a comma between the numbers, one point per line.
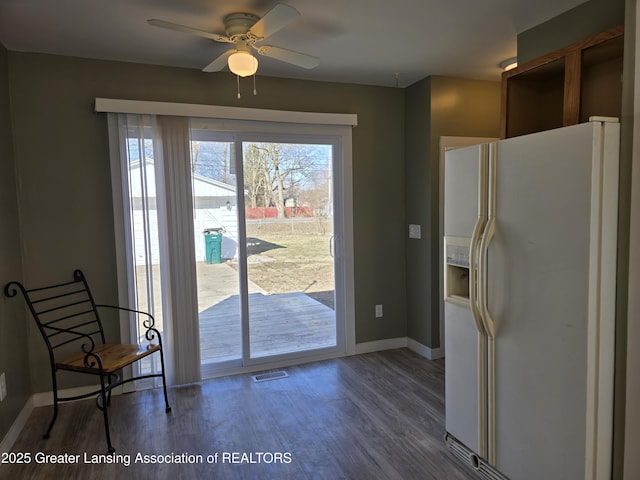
x=69, y=321
x=113, y=356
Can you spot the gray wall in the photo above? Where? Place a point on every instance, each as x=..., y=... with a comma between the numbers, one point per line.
x=628, y=419
x=14, y=358
x=417, y=203
x=576, y=24
x=62, y=160
x=625, y=266
x=434, y=107
x=627, y=379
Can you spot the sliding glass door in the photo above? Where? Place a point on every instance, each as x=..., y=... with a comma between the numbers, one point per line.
x=265, y=246
x=231, y=234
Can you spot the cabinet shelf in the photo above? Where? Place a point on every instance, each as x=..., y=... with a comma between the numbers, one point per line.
x=564, y=87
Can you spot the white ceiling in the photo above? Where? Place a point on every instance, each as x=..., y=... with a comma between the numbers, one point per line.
x=357, y=41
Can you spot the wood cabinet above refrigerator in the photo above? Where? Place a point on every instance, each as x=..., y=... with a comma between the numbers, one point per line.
x=564, y=87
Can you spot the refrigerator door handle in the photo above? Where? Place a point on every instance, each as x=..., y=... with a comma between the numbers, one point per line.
x=487, y=319
x=475, y=256
x=487, y=236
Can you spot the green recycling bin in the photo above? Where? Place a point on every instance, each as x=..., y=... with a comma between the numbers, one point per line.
x=213, y=245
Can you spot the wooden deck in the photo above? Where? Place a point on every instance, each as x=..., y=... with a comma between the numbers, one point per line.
x=279, y=323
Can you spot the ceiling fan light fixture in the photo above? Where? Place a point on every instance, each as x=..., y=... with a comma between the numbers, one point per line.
x=243, y=64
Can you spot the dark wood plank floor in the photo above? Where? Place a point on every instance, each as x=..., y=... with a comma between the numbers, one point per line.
x=373, y=416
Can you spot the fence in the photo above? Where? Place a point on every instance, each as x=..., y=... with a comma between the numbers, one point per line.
x=272, y=212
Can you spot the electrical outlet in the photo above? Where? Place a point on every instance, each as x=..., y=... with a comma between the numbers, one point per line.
x=3, y=387
x=378, y=311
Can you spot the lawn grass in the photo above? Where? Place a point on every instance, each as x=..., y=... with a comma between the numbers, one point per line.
x=291, y=257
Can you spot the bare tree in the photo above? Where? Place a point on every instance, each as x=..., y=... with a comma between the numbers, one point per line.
x=254, y=180
x=274, y=172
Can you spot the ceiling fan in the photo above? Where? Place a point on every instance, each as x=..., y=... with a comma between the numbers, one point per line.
x=244, y=30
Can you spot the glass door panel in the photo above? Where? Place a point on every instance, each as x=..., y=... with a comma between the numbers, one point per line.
x=289, y=240
x=215, y=219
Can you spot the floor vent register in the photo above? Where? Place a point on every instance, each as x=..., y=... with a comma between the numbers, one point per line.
x=265, y=377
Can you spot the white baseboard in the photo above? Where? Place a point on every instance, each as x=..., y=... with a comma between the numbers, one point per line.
x=426, y=352
x=379, y=345
x=46, y=398
x=19, y=423
x=400, y=342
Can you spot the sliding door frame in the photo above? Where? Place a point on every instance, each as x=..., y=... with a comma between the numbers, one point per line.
x=264, y=122
x=338, y=225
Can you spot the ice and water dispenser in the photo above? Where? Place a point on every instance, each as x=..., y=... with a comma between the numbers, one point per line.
x=456, y=270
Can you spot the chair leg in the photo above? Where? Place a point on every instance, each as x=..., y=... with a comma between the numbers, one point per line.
x=164, y=383
x=113, y=378
x=105, y=395
x=54, y=384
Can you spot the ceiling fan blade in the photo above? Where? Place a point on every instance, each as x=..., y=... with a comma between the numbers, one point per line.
x=194, y=31
x=219, y=63
x=289, y=56
x=278, y=17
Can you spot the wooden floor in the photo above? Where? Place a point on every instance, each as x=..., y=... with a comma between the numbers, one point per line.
x=372, y=416
x=279, y=323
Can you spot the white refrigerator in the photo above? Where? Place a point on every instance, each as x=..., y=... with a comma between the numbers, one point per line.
x=530, y=228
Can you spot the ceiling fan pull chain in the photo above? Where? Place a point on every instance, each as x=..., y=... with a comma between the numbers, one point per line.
x=238, y=80
x=255, y=92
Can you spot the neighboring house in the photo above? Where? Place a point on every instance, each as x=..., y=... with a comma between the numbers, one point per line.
x=214, y=208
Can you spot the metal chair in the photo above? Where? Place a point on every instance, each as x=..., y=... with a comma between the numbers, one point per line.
x=70, y=324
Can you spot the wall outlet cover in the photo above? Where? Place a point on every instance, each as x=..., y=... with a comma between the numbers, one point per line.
x=378, y=311
x=414, y=231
